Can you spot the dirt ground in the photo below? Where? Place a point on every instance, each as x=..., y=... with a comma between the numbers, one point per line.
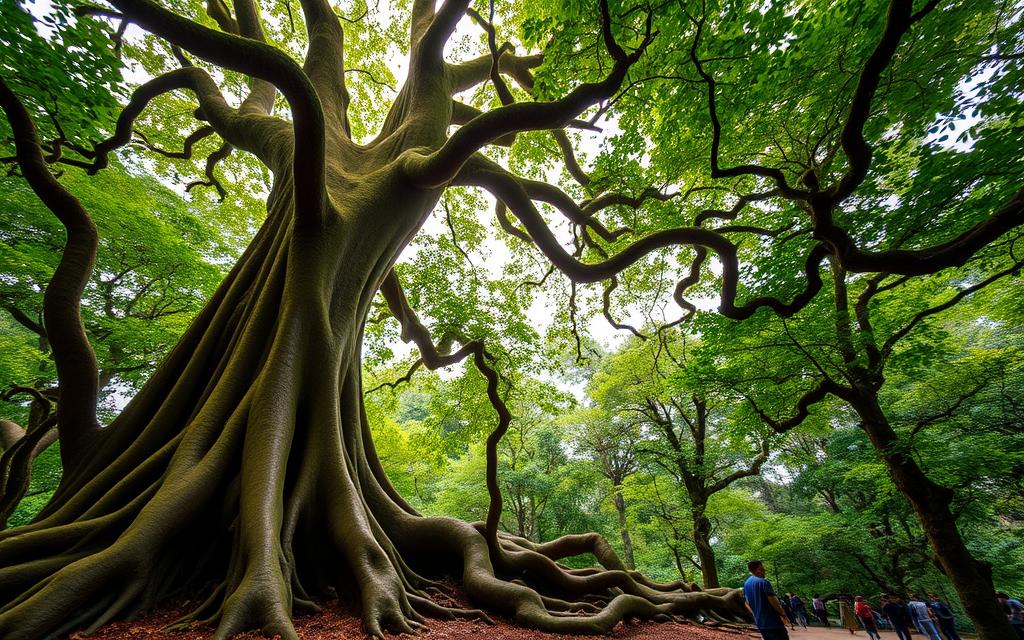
x=337, y=622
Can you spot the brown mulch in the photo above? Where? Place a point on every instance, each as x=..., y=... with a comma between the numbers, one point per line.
x=340, y=621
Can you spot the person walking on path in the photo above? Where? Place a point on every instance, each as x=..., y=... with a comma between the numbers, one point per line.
x=867, y=616
x=819, y=611
x=787, y=608
x=846, y=615
x=944, y=616
x=896, y=614
x=800, y=609
x=763, y=604
x=923, y=617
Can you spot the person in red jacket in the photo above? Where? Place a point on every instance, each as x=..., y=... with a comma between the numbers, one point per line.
x=867, y=616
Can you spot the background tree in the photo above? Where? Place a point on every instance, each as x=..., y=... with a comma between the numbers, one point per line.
x=854, y=357
x=692, y=430
x=256, y=421
x=612, y=442
x=157, y=263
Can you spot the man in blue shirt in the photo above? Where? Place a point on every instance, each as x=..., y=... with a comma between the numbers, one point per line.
x=763, y=604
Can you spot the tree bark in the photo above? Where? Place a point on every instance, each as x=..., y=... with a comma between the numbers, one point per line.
x=971, y=578
x=627, y=540
x=702, y=542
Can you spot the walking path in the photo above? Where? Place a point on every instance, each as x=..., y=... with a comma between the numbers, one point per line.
x=837, y=633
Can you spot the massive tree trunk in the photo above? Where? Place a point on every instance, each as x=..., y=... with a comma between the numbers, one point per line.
x=971, y=578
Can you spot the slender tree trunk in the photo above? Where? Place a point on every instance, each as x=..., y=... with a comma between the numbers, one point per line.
x=627, y=541
x=971, y=578
x=702, y=541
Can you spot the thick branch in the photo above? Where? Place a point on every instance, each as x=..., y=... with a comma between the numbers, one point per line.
x=858, y=153
x=510, y=190
x=261, y=61
x=325, y=60
x=953, y=253
x=77, y=371
x=439, y=167
x=262, y=93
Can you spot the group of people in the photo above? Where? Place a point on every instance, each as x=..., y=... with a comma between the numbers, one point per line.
x=772, y=614
x=928, y=616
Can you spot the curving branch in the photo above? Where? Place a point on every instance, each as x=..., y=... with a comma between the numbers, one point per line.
x=899, y=334
x=510, y=190
x=325, y=61
x=752, y=470
x=189, y=143
x=77, y=370
x=251, y=133
x=441, y=166
x=898, y=21
x=911, y=262
x=501, y=213
x=262, y=93
x=427, y=52
x=606, y=302
x=732, y=213
x=405, y=379
x=469, y=74
x=572, y=165
x=803, y=406
x=463, y=114
x=414, y=330
x=500, y=87
x=606, y=200
x=211, y=179
x=262, y=61
x=717, y=171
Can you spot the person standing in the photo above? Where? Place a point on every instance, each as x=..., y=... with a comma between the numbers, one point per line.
x=867, y=616
x=1014, y=612
x=819, y=610
x=800, y=609
x=944, y=616
x=922, y=616
x=896, y=614
x=846, y=615
x=763, y=604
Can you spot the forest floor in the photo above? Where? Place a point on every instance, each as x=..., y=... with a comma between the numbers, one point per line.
x=338, y=622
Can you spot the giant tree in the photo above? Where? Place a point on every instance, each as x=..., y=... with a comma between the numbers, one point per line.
x=248, y=452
